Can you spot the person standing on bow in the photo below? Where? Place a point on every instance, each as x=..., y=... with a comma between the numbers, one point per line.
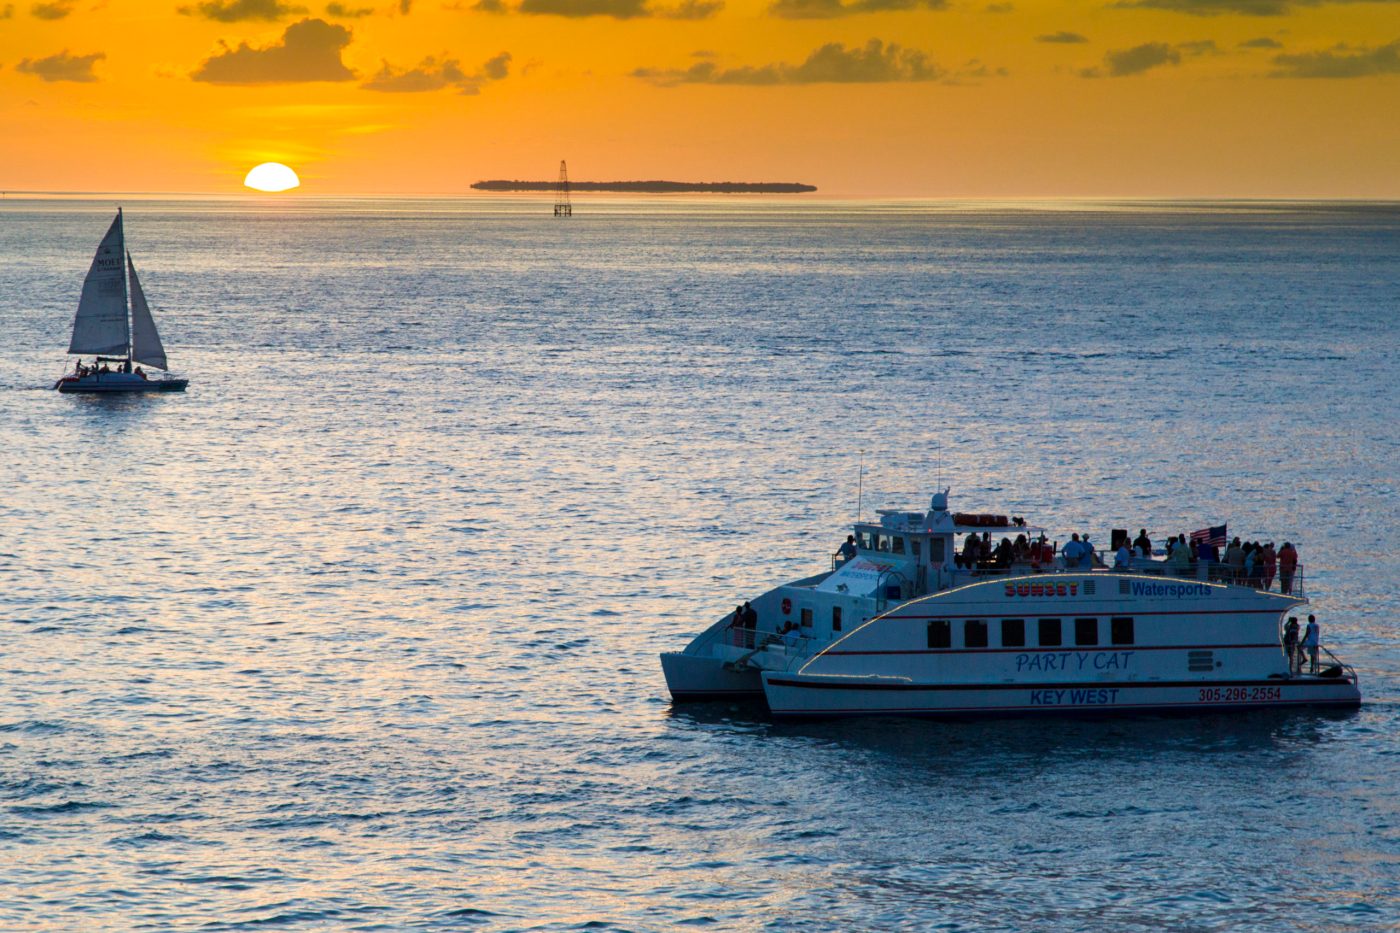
x=1312, y=642
x=1290, y=644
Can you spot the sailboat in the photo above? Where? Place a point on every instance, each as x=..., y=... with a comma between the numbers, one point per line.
x=115, y=329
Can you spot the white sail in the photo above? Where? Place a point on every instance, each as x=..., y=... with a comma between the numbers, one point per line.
x=100, y=325
x=145, y=342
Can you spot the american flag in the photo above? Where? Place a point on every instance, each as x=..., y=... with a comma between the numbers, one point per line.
x=1214, y=536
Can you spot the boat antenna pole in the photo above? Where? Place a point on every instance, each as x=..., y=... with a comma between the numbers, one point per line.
x=860, y=486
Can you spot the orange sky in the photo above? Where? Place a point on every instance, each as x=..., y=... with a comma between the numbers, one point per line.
x=863, y=98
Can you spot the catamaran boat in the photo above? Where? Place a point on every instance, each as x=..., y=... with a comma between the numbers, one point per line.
x=117, y=331
x=904, y=626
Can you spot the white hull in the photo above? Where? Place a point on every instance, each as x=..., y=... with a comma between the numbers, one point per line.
x=695, y=677
x=796, y=695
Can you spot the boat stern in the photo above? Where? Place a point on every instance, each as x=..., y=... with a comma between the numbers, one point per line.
x=692, y=677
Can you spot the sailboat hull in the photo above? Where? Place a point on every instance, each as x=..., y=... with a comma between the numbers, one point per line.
x=106, y=383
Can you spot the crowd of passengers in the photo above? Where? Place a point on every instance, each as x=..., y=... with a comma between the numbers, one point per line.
x=1246, y=563
x=80, y=370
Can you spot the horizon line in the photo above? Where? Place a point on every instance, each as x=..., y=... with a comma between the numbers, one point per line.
x=786, y=198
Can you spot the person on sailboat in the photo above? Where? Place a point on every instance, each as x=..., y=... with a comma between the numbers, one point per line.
x=140, y=372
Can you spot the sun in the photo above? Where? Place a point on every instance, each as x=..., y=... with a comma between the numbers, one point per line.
x=271, y=176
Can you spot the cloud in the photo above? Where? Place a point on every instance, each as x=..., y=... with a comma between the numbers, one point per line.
x=429, y=75
x=833, y=63
x=1199, y=47
x=62, y=67
x=618, y=9
x=831, y=9
x=433, y=74
x=342, y=11
x=7, y=11
x=237, y=11
x=308, y=51
x=59, y=9
x=1263, y=42
x=405, y=6
x=692, y=10
x=1061, y=36
x=496, y=68
x=1218, y=7
x=1341, y=62
x=1123, y=62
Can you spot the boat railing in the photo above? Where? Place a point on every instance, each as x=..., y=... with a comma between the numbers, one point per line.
x=1350, y=671
x=1205, y=571
x=755, y=639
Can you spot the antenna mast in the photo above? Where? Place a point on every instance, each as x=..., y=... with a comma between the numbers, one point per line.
x=562, y=206
x=860, y=486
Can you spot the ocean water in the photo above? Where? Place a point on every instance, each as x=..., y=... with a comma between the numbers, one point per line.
x=360, y=632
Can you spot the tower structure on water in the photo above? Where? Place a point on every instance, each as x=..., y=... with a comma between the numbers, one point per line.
x=562, y=205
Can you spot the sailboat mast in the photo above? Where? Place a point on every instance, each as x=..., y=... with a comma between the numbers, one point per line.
x=126, y=286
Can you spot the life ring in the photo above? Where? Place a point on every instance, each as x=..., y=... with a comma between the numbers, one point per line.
x=787, y=607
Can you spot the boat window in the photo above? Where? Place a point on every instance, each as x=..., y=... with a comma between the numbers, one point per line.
x=935, y=550
x=806, y=618
x=863, y=539
x=882, y=543
x=836, y=618
x=1013, y=633
x=974, y=634
x=940, y=634
x=898, y=545
x=1049, y=633
x=1086, y=631
x=914, y=547
x=1122, y=630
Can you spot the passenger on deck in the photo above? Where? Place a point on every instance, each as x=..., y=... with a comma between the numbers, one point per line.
x=1020, y=549
x=1312, y=642
x=848, y=549
x=1205, y=553
x=1001, y=557
x=1180, y=559
x=1089, y=557
x=791, y=633
x=1270, y=565
x=1287, y=564
x=1123, y=559
x=1290, y=644
x=140, y=372
x=971, y=549
x=750, y=616
x=1248, y=575
x=1234, y=561
x=1144, y=543
x=1073, y=552
x=738, y=620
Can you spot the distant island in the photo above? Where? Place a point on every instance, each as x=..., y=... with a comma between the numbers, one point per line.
x=654, y=187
